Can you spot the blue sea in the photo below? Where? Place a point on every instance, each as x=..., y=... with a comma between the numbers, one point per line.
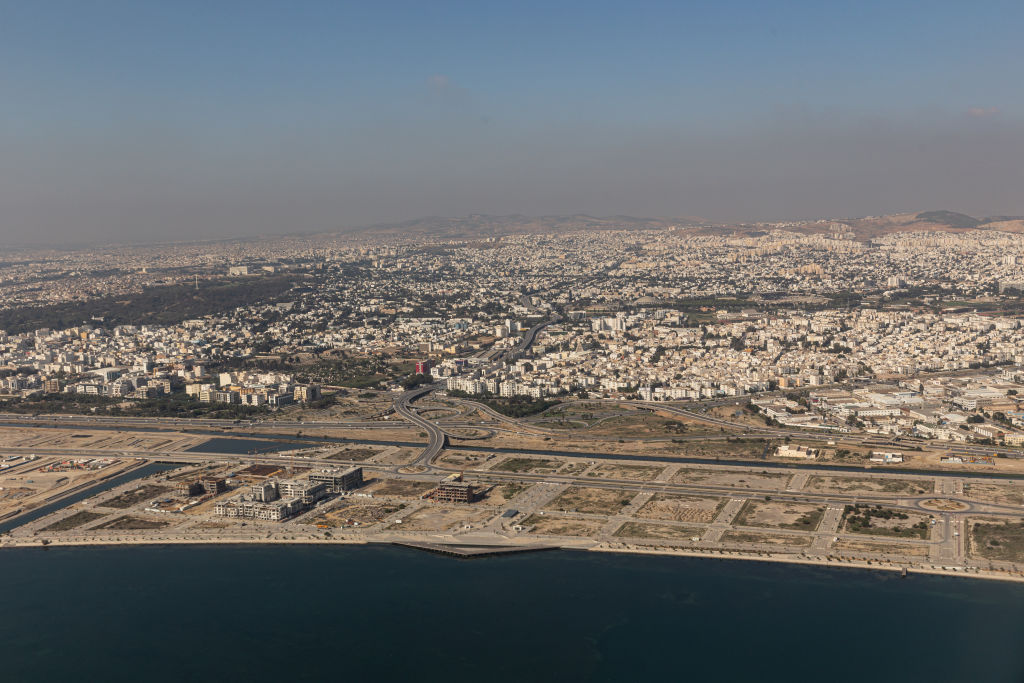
x=305, y=613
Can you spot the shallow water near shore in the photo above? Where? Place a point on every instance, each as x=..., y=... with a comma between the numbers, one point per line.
x=261, y=613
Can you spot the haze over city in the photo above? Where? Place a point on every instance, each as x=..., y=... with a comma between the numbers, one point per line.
x=125, y=121
x=511, y=341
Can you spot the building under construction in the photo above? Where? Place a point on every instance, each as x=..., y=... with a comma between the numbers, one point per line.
x=453, y=490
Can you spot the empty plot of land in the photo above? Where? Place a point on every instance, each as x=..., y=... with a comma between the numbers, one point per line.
x=75, y=520
x=622, y=471
x=499, y=495
x=355, y=514
x=1001, y=494
x=846, y=545
x=574, y=467
x=442, y=517
x=681, y=508
x=665, y=532
x=779, y=515
x=645, y=425
x=826, y=484
x=261, y=470
x=400, y=488
x=526, y=465
x=130, y=498
x=994, y=541
x=754, y=538
x=354, y=454
x=555, y=525
x=881, y=521
x=591, y=501
x=745, y=480
x=130, y=523
x=465, y=459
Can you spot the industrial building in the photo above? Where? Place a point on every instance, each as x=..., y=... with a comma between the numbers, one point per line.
x=338, y=480
x=453, y=490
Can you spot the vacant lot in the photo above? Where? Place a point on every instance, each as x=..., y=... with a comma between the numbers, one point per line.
x=355, y=514
x=75, y=520
x=1003, y=494
x=880, y=521
x=354, y=454
x=762, y=479
x=858, y=546
x=643, y=425
x=681, y=508
x=779, y=515
x=621, y=471
x=128, y=522
x=994, y=541
x=823, y=484
x=465, y=459
x=754, y=538
x=554, y=525
x=400, y=488
x=442, y=518
x=665, y=532
x=591, y=501
x=501, y=494
x=526, y=465
x=130, y=498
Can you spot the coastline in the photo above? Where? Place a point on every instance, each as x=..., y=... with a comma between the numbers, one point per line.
x=875, y=565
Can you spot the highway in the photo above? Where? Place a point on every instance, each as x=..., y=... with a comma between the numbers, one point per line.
x=437, y=438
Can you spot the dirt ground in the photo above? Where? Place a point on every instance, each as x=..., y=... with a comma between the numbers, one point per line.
x=397, y=456
x=894, y=526
x=827, y=484
x=353, y=514
x=1011, y=493
x=556, y=525
x=355, y=453
x=25, y=486
x=466, y=459
x=851, y=546
x=591, y=501
x=623, y=471
x=681, y=508
x=762, y=479
x=749, y=537
x=399, y=488
x=131, y=523
x=503, y=493
x=1002, y=541
x=779, y=515
x=98, y=440
x=665, y=532
x=531, y=465
x=136, y=496
x=73, y=521
x=443, y=518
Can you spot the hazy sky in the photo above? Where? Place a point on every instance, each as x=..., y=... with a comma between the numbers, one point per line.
x=157, y=119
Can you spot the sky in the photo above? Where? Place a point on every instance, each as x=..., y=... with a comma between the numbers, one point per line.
x=147, y=120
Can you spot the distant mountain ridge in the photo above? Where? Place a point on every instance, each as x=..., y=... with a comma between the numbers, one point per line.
x=482, y=226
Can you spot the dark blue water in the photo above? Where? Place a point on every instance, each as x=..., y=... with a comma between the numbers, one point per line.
x=387, y=614
x=241, y=446
x=87, y=492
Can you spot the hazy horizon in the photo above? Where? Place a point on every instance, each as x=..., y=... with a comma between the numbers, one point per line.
x=183, y=121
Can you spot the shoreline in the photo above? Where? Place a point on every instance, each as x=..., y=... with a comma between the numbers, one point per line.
x=876, y=565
